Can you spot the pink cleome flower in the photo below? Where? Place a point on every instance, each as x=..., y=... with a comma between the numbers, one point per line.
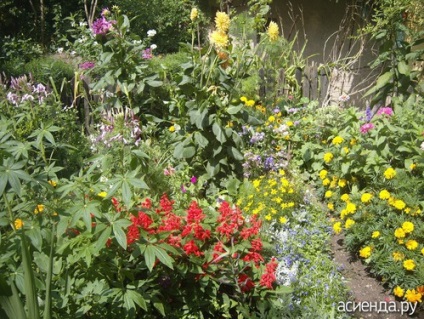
x=385, y=111
x=366, y=128
x=102, y=26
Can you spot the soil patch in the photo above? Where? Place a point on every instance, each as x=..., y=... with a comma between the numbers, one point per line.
x=362, y=285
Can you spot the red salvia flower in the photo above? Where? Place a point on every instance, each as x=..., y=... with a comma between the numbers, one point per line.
x=246, y=284
x=194, y=213
x=191, y=249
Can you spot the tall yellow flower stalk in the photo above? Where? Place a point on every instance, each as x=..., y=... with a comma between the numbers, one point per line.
x=273, y=31
x=219, y=37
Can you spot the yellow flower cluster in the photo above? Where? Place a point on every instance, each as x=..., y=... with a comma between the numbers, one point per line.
x=194, y=14
x=272, y=197
x=18, y=223
x=337, y=140
x=328, y=157
x=365, y=252
x=273, y=31
x=389, y=173
x=219, y=37
x=366, y=198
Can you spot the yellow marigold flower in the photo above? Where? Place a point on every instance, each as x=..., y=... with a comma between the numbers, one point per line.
x=351, y=208
x=328, y=194
x=412, y=166
x=398, y=292
x=18, y=223
x=337, y=227
x=323, y=174
x=408, y=227
x=345, y=197
x=256, y=183
x=325, y=182
x=273, y=31
x=250, y=103
x=389, y=173
x=407, y=210
x=399, y=233
x=102, y=194
x=172, y=128
x=39, y=209
x=409, y=264
x=343, y=213
x=268, y=217
x=271, y=119
x=328, y=157
x=243, y=99
x=366, y=198
x=375, y=234
x=52, y=183
x=337, y=140
x=365, y=252
x=222, y=21
x=399, y=204
x=411, y=244
x=349, y=223
x=218, y=39
x=384, y=194
x=342, y=183
x=397, y=256
x=330, y=206
x=289, y=123
x=413, y=296
x=194, y=14
x=283, y=220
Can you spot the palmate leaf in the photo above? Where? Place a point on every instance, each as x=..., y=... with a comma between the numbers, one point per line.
x=11, y=173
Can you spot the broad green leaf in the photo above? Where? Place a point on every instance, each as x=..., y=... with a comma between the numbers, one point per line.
x=131, y=297
x=201, y=140
x=163, y=257
x=381, y=82
x=403, y=68
x=120, y=235
x=150, y=256
x=219, y=134
x=102, y=240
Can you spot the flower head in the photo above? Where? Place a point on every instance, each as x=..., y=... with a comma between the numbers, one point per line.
x=39, y=209
x=337, y=140
x=366, y=198
x=328, y=157
x=323, y=174
x=194, y=14
x=219, y=39
x=413, y=296
x=409, y=264
x=222, y=21
x=399, y=233
x=18, y=223
x=411, y=244
x=273, y=31
x=349, y=223
x=385, y=111
x=366, y=128
x=365, y=252
x=389, y=173
x=408, y=227
x=151, y=33
x=102, y=26
x=375, y=234
x=398, y=292
x=337, y=227
x=384, y=194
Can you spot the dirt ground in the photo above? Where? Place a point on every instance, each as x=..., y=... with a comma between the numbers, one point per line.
x=362, y=285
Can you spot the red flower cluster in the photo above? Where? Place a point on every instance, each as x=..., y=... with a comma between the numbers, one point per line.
x=268, y=277
x=195, y=235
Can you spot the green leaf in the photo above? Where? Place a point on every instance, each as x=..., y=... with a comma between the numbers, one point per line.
x=102, y=240
x=10, y=301
x=150, y=256
x=201, y=140
x=381, y=82
x=219, y=133
x=126, y=193
x=189, y=151
x=235, y=153
x=120, y=235
x=234, y=109
x=403, y=68
x=163, y=257
x=131, y=297
x=154, y=83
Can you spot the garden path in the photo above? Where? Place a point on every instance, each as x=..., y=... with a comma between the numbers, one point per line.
x=362, y=285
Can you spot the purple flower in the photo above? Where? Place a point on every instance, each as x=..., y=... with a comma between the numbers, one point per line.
x=87, y=65
x=385, y=111
x=183, y=188
x=102, y=26
x=368, y=114
x=147, y=54
x=193, y=179
x=366, y=128
x=276, y=110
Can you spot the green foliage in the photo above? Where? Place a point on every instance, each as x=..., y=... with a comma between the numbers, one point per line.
x=170, y=18
x=400, y=37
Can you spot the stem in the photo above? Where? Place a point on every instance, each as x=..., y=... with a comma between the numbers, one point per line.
x=48, y=301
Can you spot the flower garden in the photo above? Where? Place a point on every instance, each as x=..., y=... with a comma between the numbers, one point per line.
x=152, y=186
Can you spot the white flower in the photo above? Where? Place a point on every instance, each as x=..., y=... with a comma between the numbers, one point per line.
x=60, y=50
x=83, y=24
x=73, y=53
x=153, y=46
x=177, y=127
x=422, y=146
x=151, y=33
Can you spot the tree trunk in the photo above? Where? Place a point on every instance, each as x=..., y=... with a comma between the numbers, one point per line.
x=42, y=23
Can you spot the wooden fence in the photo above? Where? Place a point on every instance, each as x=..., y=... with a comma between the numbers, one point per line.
x=313, y=83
